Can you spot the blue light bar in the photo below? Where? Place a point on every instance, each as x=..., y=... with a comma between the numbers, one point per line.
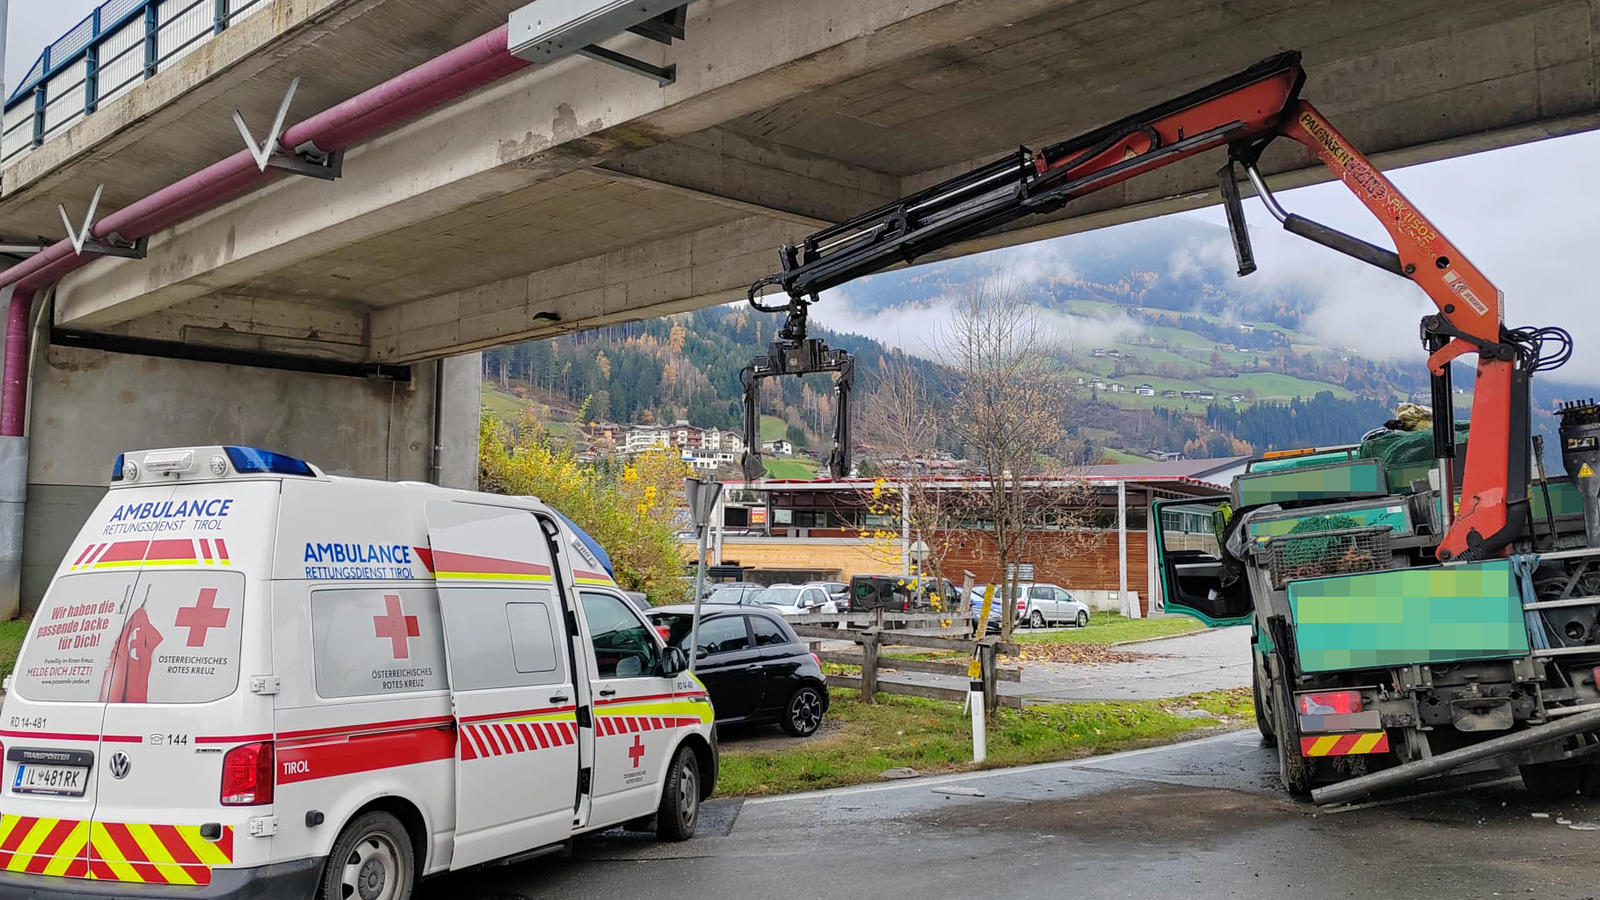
x=254, y=460
x=116, y=468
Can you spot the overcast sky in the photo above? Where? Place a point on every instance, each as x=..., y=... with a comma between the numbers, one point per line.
x=35, y=23
x=1528, y=216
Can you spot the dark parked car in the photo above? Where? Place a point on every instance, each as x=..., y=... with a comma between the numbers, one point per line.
x=887, y=592
x=753, y=664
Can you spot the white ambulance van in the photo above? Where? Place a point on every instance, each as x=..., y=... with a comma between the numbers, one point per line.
x=250, y=679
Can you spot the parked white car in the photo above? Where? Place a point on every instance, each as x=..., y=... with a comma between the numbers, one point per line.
x=796, y=601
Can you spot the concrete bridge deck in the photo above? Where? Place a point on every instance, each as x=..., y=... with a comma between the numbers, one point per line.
x=575, y=194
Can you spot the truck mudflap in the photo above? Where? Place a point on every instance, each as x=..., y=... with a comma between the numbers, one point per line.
x=1344, y=744
x=1455, y=759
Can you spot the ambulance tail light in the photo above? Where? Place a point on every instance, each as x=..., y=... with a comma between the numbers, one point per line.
x=248, y=775
x=255, y=461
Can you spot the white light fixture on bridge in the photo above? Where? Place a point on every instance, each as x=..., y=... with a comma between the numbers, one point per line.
x=547, y=30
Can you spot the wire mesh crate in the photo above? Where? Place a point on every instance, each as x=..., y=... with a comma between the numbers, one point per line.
x=1319, y=554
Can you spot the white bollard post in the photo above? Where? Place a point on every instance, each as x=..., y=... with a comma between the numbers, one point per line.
x=980, y=738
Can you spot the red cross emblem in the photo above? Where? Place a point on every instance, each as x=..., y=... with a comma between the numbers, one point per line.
x=202, y=617
x=395, y=626
x=636, y=752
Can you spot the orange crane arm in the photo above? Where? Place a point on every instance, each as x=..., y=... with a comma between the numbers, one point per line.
x=1245, y=113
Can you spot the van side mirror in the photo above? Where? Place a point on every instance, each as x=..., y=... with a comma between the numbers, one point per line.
x=673, y=662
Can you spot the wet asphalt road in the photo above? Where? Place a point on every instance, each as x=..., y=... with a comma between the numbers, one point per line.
x=1199, y=820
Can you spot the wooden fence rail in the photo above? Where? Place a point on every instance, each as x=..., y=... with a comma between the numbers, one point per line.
x=955, y=668
x=873, y=639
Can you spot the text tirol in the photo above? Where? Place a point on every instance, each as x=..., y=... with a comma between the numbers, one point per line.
x=358, y=553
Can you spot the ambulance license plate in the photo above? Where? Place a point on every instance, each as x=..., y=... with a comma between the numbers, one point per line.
x=66, y=781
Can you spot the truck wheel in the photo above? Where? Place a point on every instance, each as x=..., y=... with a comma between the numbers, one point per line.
x=371, y=860
x=1551, y=779
x=679, y=811
x=1296, y=771
x=1263, y=724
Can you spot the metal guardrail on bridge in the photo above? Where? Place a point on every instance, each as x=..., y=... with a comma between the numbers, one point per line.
x=120, y=44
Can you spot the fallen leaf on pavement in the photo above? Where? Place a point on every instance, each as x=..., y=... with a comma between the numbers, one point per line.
x=1081, y=654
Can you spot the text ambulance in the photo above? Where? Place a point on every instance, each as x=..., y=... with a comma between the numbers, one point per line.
x=252, y=679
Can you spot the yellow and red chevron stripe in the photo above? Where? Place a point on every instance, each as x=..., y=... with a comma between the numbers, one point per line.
x=111, y=851
x=1344, y=744
x=42, y=846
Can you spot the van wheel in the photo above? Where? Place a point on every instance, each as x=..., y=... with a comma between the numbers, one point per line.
x=1036, y=620
x=679, y=811
x=371, y=860
x=803, y=716
x=1083, y=618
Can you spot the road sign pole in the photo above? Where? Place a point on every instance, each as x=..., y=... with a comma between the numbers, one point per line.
x=699, y=592
x=702, y=497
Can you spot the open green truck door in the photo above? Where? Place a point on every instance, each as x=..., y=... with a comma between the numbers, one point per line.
x=1189, y=564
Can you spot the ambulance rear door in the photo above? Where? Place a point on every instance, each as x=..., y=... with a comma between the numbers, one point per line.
x=180, y=704
x=78, y=650
x=509, y=648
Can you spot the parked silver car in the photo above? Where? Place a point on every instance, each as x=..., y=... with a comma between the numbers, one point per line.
x=1038, y=605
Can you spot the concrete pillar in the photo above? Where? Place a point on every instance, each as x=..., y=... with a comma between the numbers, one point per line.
x=89, y=405
x=458, y=421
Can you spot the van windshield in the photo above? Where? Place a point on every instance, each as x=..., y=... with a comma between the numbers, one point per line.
x=122, y=637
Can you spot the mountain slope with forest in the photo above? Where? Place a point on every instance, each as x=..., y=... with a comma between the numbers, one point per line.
x=1169, y=351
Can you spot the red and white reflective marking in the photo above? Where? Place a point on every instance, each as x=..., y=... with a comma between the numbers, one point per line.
x=609, y=725
x=485, y=739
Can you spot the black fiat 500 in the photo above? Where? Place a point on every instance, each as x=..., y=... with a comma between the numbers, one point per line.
x=753, y=664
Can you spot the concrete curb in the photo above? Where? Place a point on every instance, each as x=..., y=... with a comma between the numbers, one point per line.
x=1157, y=640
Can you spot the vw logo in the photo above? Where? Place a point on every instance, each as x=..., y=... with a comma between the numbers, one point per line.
x=120, y=765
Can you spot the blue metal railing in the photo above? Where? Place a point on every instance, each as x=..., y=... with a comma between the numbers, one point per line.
x=118, y=44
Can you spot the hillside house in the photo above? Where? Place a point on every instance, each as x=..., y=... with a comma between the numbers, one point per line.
x=1169, y=393
x=1246, y=328
x=778, y=447
x=1145, y=390
x=1116, y=388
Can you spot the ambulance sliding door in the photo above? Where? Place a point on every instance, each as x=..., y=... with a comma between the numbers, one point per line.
x=511, y=678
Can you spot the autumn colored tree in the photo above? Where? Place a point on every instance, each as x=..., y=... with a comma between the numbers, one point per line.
x=630, y=508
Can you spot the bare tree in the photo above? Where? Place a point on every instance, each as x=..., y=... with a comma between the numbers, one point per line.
x=1009, y=413
x=905, y=419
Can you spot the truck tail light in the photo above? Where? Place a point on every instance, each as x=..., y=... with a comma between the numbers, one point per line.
x=1330, y=703
x=248, y=775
